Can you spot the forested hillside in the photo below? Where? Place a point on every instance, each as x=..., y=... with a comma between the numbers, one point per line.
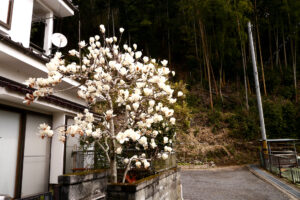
x=206, y=42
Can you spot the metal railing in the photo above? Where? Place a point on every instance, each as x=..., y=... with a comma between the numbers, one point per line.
x=283, y=165
x=42, y=196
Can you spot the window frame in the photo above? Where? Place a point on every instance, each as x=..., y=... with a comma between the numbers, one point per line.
x=7, y=24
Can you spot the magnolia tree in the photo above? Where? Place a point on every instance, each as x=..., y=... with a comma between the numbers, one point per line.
x=132, y=92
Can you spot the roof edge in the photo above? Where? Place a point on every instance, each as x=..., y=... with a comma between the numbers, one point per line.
x=71, y=5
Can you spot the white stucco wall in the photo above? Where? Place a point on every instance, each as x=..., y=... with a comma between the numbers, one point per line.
x=17, y=66
x=21, y=21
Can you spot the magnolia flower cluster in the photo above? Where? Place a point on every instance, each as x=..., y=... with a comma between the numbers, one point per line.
x=132, y=85
x=45, y=130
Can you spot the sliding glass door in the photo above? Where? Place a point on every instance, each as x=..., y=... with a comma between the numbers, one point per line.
x=9, y=142
x=36, y=157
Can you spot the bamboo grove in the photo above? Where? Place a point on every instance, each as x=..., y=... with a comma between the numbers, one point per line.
x=205, y=40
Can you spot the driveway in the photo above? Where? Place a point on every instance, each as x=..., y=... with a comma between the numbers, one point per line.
x=232, y=183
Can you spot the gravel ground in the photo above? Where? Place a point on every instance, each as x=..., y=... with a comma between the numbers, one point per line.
x=234, y=183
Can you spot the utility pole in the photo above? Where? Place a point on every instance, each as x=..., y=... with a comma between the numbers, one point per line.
x=257, y=88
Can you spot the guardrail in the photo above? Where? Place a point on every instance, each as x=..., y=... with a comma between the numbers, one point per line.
x=41, y=196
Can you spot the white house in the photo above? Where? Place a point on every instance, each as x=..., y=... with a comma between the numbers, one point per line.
x=28, y=164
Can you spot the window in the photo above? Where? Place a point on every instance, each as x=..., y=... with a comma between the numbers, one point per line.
x=6, y=7
x=41, y=28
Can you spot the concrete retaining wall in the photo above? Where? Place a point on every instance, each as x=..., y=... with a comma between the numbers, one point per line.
x=83, y=186
x=163, y=186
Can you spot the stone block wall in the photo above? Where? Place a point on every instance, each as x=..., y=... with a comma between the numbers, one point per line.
x=163, y=186
x=83, y=185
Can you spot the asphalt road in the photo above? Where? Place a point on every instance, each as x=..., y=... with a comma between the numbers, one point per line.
x=236, y=183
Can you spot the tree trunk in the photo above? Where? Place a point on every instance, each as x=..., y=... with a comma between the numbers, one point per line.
x=113, y=159
x=205, y=52
x=244, y=65
x=284, y=49
x=169, y=43
x=245, y=75
x=214, y=79
x=113, y=22
x=294, y=59
x=261, y=61
x=260, y=53
x=220, y=82
x=270, y=47
x=113, y=168
x=249, y=88
x=195, y=39
x=277, y=48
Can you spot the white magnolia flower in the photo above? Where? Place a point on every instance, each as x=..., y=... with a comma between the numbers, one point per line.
x=164, y=156
x=128, y=107
x=138, y=164
x=164, y=62
x=138, y=54
x=135, y=106
x=92, y=39
x=109, y=113
x=134, y=46
x=168, y=149
x=73, y=52
x=119, y=150
x=145, y=59
x=166, y=140
x=146, y=163
x=126, y=160
x=179, y=94
x=123, y=71
x=151, y=103
x=159, y=155
x=96, y=134
x=143, y=141
x=172, y=101
x=153, y=144
x=82, y=44
x=155, y=133
x=172, y=120
x=102, y=28
x=148, y=91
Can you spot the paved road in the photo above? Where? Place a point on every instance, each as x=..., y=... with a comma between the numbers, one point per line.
x=227, y=184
